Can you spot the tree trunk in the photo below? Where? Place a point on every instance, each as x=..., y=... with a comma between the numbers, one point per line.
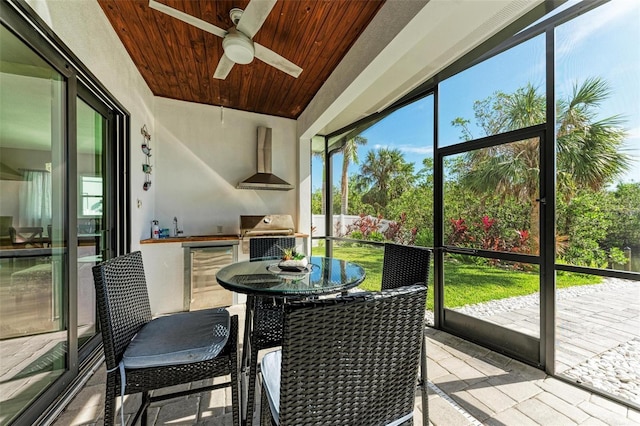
x=324, y=187
x=344, y=208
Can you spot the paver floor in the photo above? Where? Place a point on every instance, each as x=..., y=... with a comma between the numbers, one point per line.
x=470, y=385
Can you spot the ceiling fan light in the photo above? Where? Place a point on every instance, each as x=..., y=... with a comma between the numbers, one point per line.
x=238, y=48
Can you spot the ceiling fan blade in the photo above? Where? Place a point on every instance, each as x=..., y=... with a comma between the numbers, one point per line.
x=272, y=58
x=254, y=15
x=189, y=19
x=224, y=67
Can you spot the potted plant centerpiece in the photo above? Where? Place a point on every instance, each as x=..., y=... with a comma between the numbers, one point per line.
x=292, y=260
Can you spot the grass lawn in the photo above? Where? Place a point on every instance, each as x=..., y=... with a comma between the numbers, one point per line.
x=465, y=283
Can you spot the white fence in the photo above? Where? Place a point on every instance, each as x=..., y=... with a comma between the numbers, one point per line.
x=340, y=224
x=343, y=221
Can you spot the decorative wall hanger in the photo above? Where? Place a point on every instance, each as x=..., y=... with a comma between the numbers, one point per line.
x=146, y=149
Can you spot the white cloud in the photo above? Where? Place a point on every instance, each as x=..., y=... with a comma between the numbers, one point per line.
x=604, y=17
x=409, y=149
x=633, y=133
x=422, y=150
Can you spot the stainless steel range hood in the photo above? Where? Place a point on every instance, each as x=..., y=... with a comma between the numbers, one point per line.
x=264, y=179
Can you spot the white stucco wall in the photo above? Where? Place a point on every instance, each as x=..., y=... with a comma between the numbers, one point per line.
x=202, y=152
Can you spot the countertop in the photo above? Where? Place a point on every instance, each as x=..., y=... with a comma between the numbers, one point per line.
x=191, y=238
x=202, y=238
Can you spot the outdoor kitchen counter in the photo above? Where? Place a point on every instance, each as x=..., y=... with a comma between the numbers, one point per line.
x=168, y=266
x=195, y=238
x=198, y=238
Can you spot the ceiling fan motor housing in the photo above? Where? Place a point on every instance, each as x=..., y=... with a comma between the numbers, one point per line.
x=238, y=47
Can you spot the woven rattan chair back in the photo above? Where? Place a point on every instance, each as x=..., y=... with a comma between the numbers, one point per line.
x=351, y=360
x=269, y=246
x=123, y=303
x=404, y=265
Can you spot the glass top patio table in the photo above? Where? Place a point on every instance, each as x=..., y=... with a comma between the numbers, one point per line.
x=259, y=278
x=262, y=277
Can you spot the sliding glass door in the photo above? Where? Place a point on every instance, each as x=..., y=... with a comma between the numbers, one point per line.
x=60, y=197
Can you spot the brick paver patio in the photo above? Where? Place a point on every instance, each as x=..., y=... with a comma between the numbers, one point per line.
x=470, y=385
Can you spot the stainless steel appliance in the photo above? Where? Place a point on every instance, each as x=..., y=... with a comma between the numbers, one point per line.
x=202, y=262
x=264, y=226
x=264, y=178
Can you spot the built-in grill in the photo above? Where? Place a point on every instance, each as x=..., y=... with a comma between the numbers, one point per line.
x=264, y=226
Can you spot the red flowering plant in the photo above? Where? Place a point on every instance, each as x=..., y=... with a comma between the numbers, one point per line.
x=376, y=229
x=397, y=232
x=489, y=238
x=488, y=235
x=487, y=223
x=521, y=243
x=460, y=232
x=363, y=227
x=523, y=236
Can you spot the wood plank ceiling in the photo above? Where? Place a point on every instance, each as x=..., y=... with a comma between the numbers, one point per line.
x=178, y=60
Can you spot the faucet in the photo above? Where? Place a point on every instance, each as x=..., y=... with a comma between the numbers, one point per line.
x=175, y=226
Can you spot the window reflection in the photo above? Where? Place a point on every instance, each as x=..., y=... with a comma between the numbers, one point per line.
x=33, y=338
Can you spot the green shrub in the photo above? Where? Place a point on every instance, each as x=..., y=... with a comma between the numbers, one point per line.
x=376, y=236
x=356, y=235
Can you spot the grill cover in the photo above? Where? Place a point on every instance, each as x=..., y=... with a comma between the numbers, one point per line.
x=275, y=224
x=264, y=225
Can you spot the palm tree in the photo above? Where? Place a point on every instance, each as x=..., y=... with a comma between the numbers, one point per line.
x=383, y=177
x=588, y=151
x=349, y=155
x=589, y=154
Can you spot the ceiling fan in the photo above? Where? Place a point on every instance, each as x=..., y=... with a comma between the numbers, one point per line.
x=239, y=48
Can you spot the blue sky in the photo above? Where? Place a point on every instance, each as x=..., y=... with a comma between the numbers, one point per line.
x=602, y=43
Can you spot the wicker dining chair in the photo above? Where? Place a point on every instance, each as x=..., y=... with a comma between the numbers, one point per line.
x=144, y=354
x=404, y=265
x=267, y=311
x=351, y=360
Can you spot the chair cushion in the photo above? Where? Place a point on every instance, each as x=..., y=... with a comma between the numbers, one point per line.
x=181, y=338
x=270, y=367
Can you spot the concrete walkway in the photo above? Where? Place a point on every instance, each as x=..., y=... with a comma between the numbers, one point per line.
x=470, y=385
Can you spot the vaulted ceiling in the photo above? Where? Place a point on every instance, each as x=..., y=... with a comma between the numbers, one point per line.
x=178, y=60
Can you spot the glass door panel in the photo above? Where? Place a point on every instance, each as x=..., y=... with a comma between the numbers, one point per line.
x=91, y=133
x=491, y=234
x=497, y=291
x=490, y=198
x=33, y=336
